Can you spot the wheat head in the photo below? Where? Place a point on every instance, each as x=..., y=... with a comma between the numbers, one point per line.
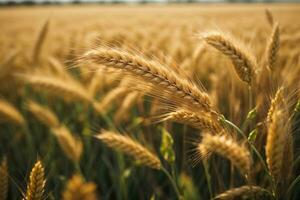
x=9, y=113
x=273, y=46
x=43, y=114
x=71, y=146
x=36, y=184
x=228, y=148
x=3, y=180
x=243, y=192
x=243, y=62
x=162, y=79
x=77, y=189
x=130, y=147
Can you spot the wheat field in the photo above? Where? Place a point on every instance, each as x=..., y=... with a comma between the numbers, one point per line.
x=150, y=102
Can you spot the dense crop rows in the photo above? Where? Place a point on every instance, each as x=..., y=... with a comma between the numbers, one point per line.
x=150, y=102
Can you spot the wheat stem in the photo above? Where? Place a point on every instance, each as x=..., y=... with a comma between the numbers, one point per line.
x=174, y=185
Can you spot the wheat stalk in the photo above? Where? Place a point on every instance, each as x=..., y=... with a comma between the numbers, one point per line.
x=43, y=114
x=36, y=184
x=243, y=62
x=9, y=113
x=3, y=180
x=77, y=189
x=228, y=148
x=244, y=192
x=273, y=46
x=130, y=147
x=162, y=82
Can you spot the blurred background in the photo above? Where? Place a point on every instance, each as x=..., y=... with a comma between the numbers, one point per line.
x=29, y=2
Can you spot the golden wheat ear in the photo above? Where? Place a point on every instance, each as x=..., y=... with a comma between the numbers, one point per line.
x=201, y=121
x=244, y=192
x=69, y=89
x=36, y=184
x=228, y=148
x=269, y=17
x=40, y=41
x=3, y=179
x=104, y=105
x=77, y=189
x=43, y=114
x=5, y=66
x=279, y=143
x=71, y=146
x=130, y=147
x=124, y=109
x=161, y=82
x=243, y=61
x=273, y=46
x=9, y=113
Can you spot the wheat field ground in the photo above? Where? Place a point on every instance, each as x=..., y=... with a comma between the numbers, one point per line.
x=150, y=102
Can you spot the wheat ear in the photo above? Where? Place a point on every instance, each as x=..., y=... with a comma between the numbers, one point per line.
x=40, y=41
x=43, y=114
x=9, y=113
x=5, y=66
x=109, y=98
x=71, y=146
x=130, y=147
x=228, y=148
x=59, y=68
x=276, y=140
x=277, y=101
x=164, y=82
x=3, y=180
x=36, y=184
x=69, y=89
x=202, y=121
x=243, y=62
x=273, y=46
x=244, y=192
x=77, y=189
x=279, y=144
x=269, y=17
x=123, y=110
